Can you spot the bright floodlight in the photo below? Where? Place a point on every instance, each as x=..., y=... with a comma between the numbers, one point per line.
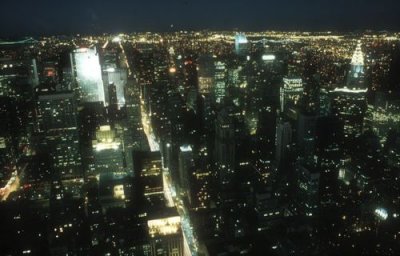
x=381, y=213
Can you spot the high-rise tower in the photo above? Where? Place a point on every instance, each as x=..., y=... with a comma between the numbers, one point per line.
x=57, y=121
x=355, y=77
x=241, y=44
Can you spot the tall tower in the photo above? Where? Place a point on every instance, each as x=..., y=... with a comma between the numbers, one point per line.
x=283, y=140
x=349, y=103
x=225, y=145
x=57, y=121
x=355, y=77
x=219, y=81
x=290, y=92
x=241, y=44
x=186, y=165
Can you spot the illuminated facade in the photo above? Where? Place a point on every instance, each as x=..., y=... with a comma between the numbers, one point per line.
x=166, y=236
x=356, y=76
x=119, y=78
x=163, y=227
x=107, y=151
x=349, y=103
x=290, y=92
x=241, y=44
x=87, y=71
x=205, y=74
x=220, y=81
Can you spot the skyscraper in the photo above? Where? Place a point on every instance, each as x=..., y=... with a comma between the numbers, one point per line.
x=87, y=72
x=108, y=151
x=350, y=103
x=220, y=81
x=118, y=77
x=57, y=121
x=225, y=145
x=290, y=92
x=186, y=165
x=356, y=75
x=350, y=107
x=205, y=73
x=241, y=44
x=283, y=140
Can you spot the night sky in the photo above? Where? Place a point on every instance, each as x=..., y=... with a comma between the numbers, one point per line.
x=43, y=17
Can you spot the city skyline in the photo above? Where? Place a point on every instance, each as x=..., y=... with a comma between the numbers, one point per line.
x=220, y=135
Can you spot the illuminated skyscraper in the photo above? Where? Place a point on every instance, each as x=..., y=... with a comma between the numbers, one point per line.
x=349, y=103
x=290, y=92
x=87, y=71
x=108, y=151
x=118, y=77
x=165, y=235
x=241, y=44
x=220, y=81
x=205, y=73
x=355, y=78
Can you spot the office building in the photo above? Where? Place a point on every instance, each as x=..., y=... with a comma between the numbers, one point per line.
x=241, y=44
x=87, y=72
x=57, y=122
x=290, y=93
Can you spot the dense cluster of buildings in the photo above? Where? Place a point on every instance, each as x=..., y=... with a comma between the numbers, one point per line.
x=200, y=143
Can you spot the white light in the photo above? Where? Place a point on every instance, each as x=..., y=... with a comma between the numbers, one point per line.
x=358, y=56
x=268, y=57
x=104, y=146
x=345, y=89
x=186, y=148
x=381, y=213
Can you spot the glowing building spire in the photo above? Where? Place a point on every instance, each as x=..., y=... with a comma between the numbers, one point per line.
x=355, y=78
x=358, y=56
